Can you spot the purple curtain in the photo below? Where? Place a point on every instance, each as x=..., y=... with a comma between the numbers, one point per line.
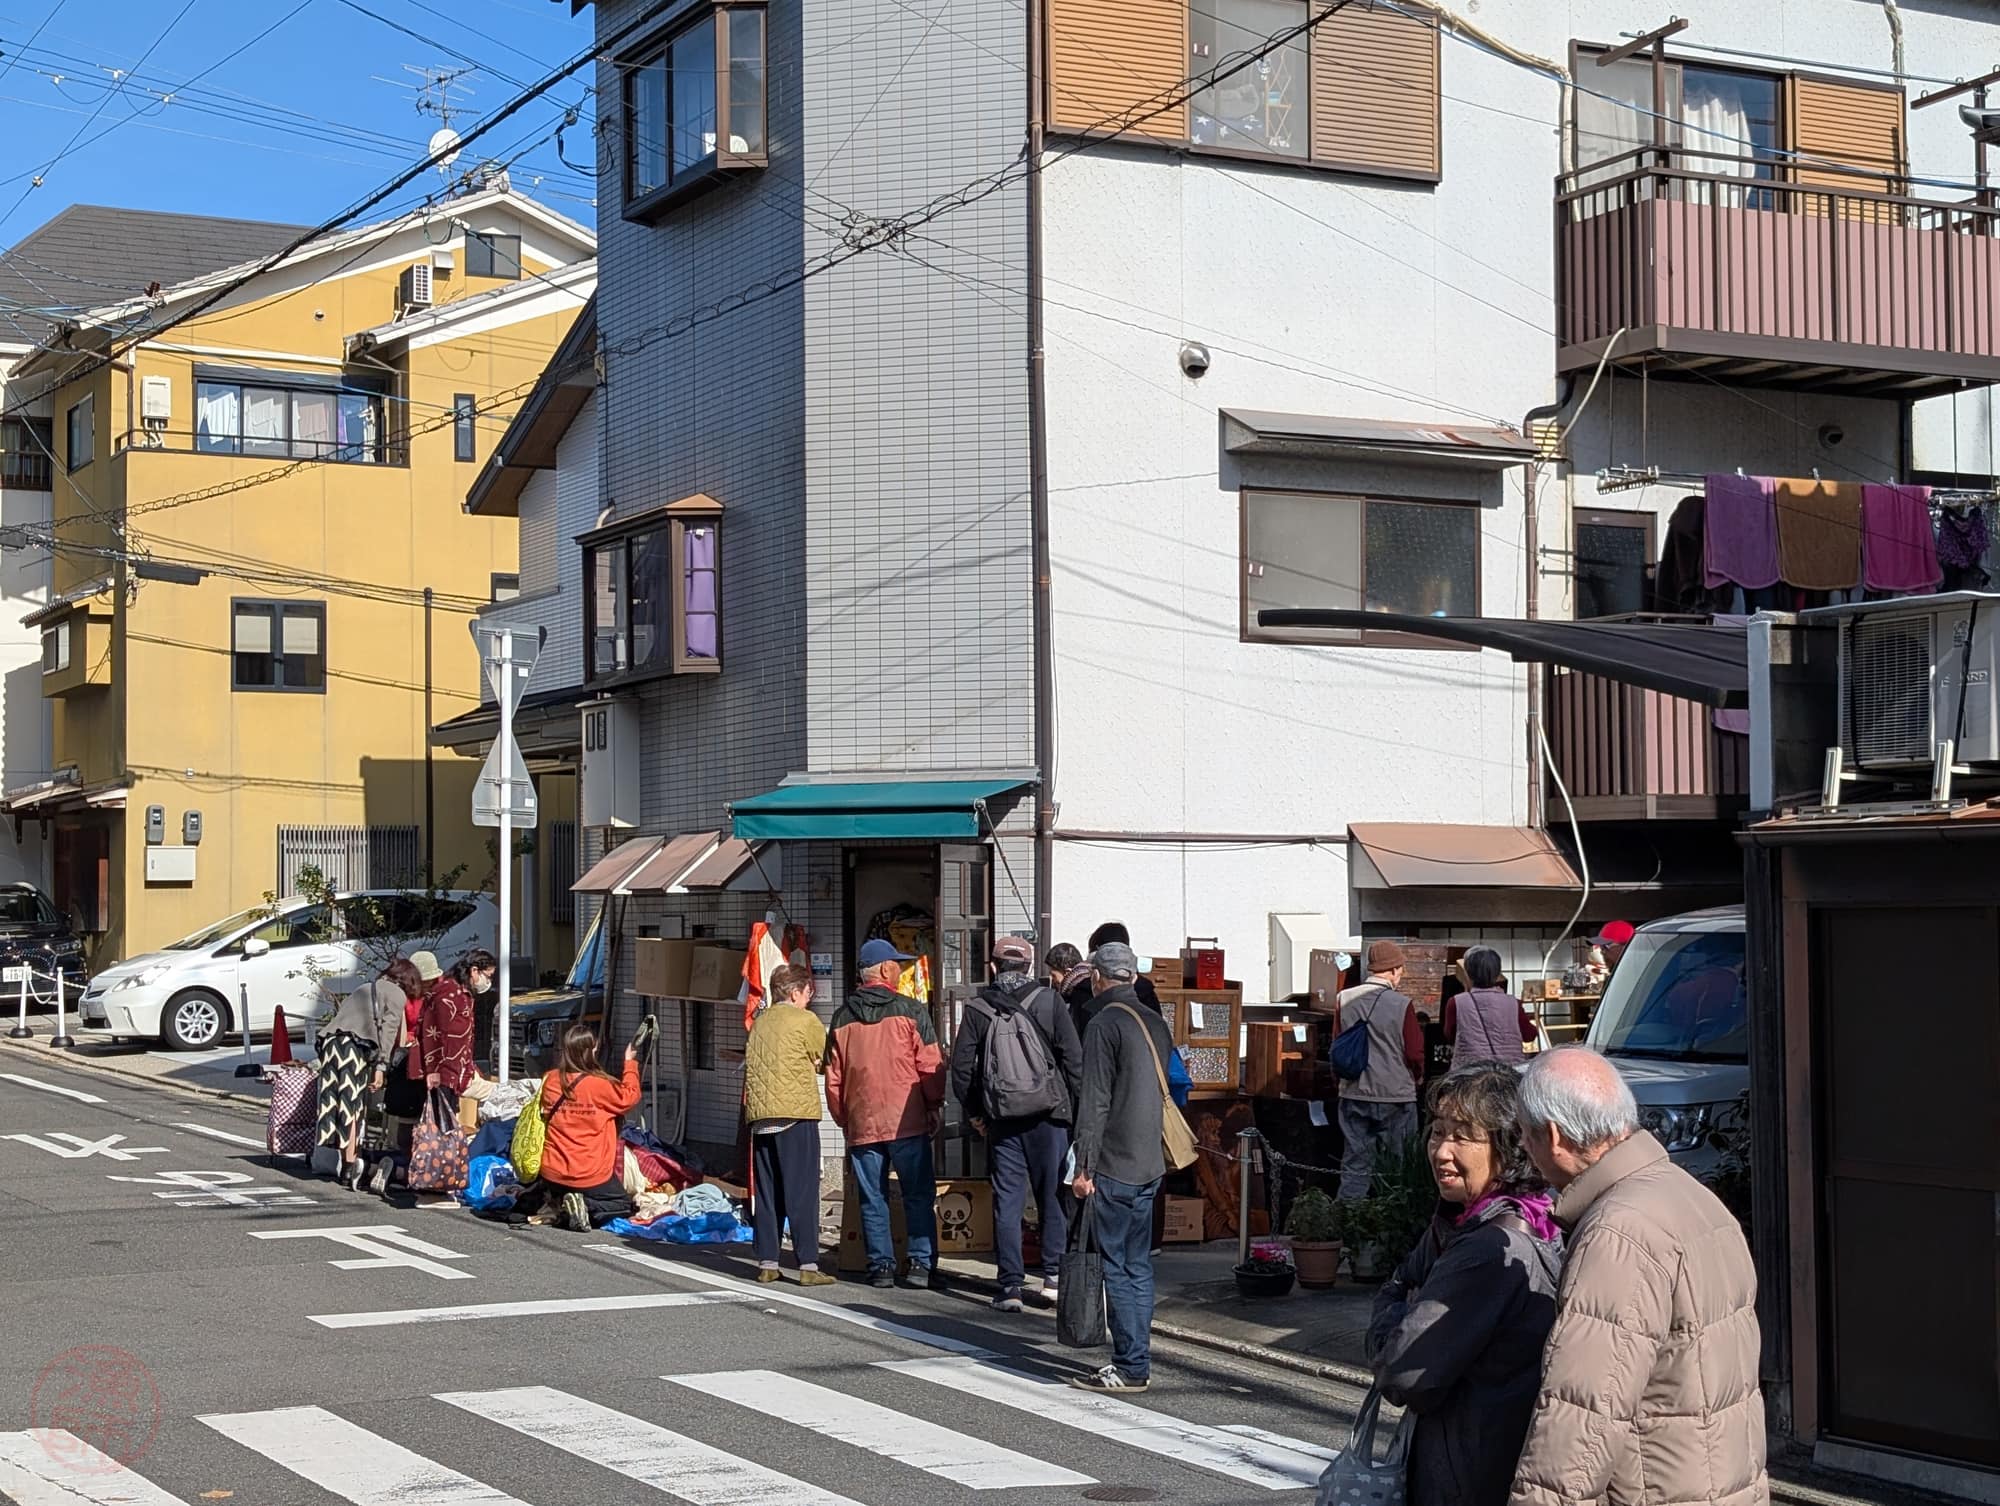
x=701, y=625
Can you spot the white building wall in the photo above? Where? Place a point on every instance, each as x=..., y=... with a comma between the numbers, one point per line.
x=556, y=506
x=1349, y=297
x=25, y=720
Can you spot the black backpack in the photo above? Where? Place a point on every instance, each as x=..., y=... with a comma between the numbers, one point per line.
x=1018, y=1076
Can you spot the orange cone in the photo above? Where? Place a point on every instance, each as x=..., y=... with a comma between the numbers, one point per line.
x=281, y=1038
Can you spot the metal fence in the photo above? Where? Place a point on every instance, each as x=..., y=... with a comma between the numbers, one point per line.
x=350, y=857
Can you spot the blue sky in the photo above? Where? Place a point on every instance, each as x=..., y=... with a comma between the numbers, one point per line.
x=295, y=127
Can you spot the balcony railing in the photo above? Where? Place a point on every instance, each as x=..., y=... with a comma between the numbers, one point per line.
x=392, y=450
x=1724, y=267
x=1628, y=754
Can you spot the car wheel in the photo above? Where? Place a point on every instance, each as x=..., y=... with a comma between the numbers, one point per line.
x=193, y=1021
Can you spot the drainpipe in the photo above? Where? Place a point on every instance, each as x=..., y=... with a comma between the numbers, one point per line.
x=1038, y=505
x=1532, y=540
x=1894, y=17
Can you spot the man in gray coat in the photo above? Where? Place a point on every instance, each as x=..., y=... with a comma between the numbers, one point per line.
x=1378, y=1109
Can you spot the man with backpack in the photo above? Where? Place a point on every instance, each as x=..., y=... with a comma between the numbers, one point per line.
x=1017, y=1069
x=1378, y=1055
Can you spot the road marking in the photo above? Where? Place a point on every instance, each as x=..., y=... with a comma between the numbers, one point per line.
x=766, y=1293
x=216, y=1134
x=220, y=1189
x=1264, y=1435
x=49, y=1087
x=350, y=1461
x=908, y=1440
x=111, y=1147
x=1254, y=1461
x=684, y=1467
x=525, y=1309
x=386, y=1245
x=49, y=1467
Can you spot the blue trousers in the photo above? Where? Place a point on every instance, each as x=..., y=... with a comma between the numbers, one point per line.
x=910, y=1159
x=1028, y=1156
x=1123, y=1227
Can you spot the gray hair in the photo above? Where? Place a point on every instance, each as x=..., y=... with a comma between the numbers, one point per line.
x=1581, y=1094
x=1483, y=967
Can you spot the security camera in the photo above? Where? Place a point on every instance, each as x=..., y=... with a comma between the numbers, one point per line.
x=1830, y=435
x=1194, y=360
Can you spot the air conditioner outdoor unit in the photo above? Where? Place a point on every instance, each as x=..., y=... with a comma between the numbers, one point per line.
x=414, y=291
x=1914, y=674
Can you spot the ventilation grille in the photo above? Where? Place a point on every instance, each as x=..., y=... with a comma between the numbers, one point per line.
x=1887, y=690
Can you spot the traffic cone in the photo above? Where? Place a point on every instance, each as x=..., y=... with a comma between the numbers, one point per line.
x=281, y=1038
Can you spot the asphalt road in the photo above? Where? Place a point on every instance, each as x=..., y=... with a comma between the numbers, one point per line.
x=175, y=1300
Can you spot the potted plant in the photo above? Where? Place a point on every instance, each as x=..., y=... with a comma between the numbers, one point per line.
x=1315, y=1227
x=1267, y=1273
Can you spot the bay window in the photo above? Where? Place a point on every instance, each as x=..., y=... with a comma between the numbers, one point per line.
x=653, y=606
x=694, y=106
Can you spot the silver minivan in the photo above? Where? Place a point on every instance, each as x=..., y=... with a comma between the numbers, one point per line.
x=1673, y=1021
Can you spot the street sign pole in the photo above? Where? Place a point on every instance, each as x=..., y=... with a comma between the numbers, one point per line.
x=507, y=796
x=504, y=794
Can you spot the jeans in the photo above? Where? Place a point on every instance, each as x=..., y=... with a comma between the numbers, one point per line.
x=910, y=1159
x=1028, y=1156
x=1122, y=1226
x=787, y=1174
x=1368, y=1129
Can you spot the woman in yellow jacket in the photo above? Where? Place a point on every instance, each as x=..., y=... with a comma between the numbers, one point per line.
x=781, y=1066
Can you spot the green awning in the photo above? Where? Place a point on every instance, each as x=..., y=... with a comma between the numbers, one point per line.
x=930, y=809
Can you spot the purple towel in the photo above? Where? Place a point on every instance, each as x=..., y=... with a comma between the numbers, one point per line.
x=1898, y=548
x=1741, y=547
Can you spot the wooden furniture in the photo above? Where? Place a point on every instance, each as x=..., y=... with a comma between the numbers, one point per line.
x=1207, y=1025
x=1272, y=1048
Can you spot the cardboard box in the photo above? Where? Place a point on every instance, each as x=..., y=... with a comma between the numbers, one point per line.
x=663, y=965
x=1184, y=1220
x=714, y=972
x=964, y=1220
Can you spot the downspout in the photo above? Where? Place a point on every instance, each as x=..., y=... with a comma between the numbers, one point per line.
x=1532, y=539
x=1894, y=17
x=1038, y=503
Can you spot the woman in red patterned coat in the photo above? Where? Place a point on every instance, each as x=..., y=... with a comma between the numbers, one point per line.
x=441, y=1055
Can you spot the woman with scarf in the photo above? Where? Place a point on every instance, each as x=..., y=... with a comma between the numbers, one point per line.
x=1458, y=1331
x=354, y=1051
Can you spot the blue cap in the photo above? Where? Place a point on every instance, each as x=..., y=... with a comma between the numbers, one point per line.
x=875, y=953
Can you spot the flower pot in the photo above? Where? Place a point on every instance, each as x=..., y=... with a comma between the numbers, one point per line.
x=1260, y=1280
x=1318, y=1261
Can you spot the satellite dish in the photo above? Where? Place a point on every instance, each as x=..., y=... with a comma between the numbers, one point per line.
x=444, y=146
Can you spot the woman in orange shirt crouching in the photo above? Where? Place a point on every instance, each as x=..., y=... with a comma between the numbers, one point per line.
x=580, y=1185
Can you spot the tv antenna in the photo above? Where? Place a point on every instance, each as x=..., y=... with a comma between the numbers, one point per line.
x=440, y=92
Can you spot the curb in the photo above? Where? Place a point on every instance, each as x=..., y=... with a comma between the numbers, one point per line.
x=1283, y=1359
x=132, y=1079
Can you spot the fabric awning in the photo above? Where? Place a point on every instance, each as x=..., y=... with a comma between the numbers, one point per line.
x=1439, y=855
x=662, y=871
x=928, y=809
x=1699, y=662
x=617, y=865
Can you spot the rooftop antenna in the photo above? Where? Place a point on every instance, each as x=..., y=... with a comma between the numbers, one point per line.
x=440, y=92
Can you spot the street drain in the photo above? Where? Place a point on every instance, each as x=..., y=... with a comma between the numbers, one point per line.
x=1120, y=1493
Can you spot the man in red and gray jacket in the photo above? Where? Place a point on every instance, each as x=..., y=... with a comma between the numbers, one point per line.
x=1378, y=1109
x=885, y=1081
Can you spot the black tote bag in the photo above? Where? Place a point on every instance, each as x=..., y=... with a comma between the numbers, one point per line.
x=1080, y=1320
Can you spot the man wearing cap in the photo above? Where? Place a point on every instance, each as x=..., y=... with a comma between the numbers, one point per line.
x=1120, y=1158
x=1378, y=1109
x=1035, y=1060
x=885, y=1089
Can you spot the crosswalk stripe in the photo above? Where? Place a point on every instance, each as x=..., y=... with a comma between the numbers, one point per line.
x=1254, y=1461
x=350, y=1461
x=538, y=1308
x=49, y=1467
x=1316, y=1450
x=908, y=1440
x=685, y=1468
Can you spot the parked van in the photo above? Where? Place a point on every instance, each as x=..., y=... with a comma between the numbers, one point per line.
x=1673, y=1021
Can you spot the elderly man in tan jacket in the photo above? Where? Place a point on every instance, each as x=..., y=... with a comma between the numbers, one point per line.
x=1649, y=1381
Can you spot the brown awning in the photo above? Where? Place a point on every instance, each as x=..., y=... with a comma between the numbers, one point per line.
x=731, y=862
x=1438, y=855
x=661, y=873
x=611, y=870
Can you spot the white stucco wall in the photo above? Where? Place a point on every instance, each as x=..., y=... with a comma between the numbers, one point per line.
x=24, y=714
x=1344, y=296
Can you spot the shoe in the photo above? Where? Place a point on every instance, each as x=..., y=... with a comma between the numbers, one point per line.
x=378, y=1183
x=929, y=1279
x=1048, y=1291
x=767, y=1273
x=1110, y=1378
x=881, y=1278
x=576, y=1213
x=1009, y=1302
x=815, y=1278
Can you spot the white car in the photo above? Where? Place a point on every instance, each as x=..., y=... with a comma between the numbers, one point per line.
x=296, y=955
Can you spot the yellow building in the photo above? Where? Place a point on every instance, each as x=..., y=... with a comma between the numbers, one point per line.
x=263, y=570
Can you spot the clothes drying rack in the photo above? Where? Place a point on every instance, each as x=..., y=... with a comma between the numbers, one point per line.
x=1625, y=478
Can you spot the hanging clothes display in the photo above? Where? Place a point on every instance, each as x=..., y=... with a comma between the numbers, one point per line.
x=1819, y=533
x=1898, y=547
x=1680, y=581
x=763, y=958
x=1962, y=541
x=914, y=931
x=1740, y=538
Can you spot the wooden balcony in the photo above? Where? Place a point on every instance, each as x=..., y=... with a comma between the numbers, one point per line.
x=1838, y=284
x=1628, y=754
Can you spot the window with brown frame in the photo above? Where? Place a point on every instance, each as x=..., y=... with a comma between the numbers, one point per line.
x=1613, y=562
x=1378, y=554
x=653, y=593
x=694, y=107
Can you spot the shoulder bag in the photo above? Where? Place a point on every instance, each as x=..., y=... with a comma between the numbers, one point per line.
x=1355, y=1478
x=531, y=1132
x=440, y=1152
x=1080, y=1317
x=1176, y=1139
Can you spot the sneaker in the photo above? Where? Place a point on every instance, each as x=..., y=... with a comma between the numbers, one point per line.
x=576, y=1213
x=815, y=1278
x=767, y=1273
x=929, y=1280
x=1047, y=1295
x=881, y=1277
x=1008, y=1302
x=378, y=1183
x=1110, y=1378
